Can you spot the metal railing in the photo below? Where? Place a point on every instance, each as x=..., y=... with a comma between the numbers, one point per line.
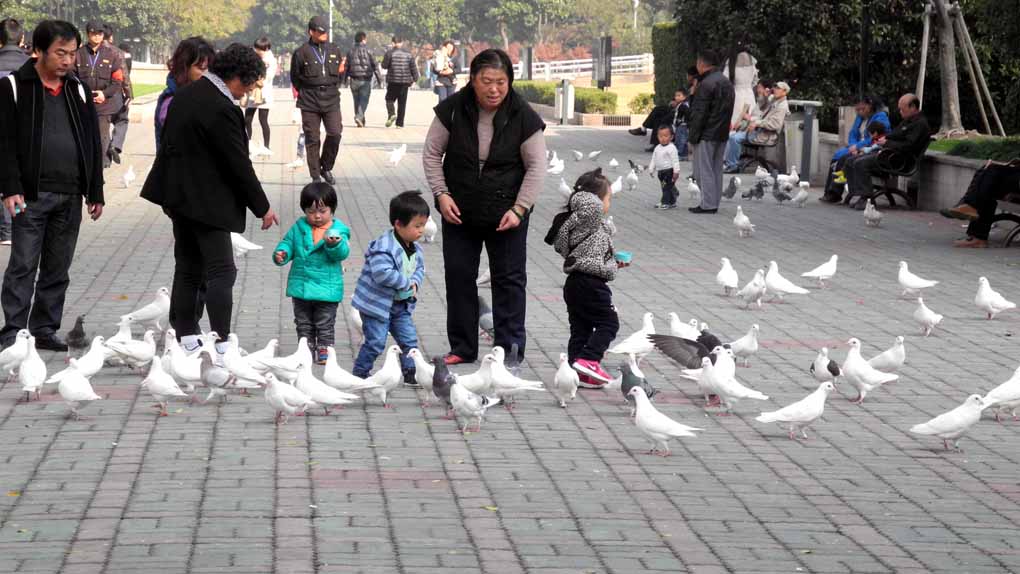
x=639, y=64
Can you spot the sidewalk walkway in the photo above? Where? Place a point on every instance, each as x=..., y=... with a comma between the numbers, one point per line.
x=541, y=489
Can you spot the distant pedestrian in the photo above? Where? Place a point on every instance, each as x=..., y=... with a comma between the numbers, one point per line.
x=261, y=99
x=445, y=70
x=99, y=65
x=12, y=57
x=709, y=129
x=315, y=74
x=361, y=68
x=190, y=60
x=121, y=119
x=401, y=73
x=47, y=169
x=204, y=181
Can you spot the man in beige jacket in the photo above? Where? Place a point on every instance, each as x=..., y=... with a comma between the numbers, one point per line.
x=772, y=120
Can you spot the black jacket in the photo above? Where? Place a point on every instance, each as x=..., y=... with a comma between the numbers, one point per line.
x=484, y=196
x=400, y=67
x=11, y=58
x=910, y=137
x=21, y=125
x=711, y=109
x=202, y=172
x=361, y=65
x=316, y=81
x=105, y=75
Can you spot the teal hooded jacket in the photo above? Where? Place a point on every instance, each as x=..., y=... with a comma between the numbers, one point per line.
x=315, y=271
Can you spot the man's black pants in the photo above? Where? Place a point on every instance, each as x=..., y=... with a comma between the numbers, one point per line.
x=44, y=237
x=202, y=254
x=507, y=250
x=593, y=319
x=989, y=184
x=334, y=130
x=398, y=93
x=859, y=170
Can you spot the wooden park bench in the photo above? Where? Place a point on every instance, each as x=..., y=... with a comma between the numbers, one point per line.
x=898, y=167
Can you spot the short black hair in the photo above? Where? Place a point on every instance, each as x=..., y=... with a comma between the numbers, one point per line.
x=708, y=56
x=593, y=182
x=664, y=127
x=494, y=59
x=263, y=44
x=190, y=51
x=877, y=128
x=406, y=206
x=360, y=37
x=124, y=47
x=49, y=30
x=107, y=31
x=397, y=39
x=680, y=90
x=11, y=31
x=238, y=61
x=318, y=193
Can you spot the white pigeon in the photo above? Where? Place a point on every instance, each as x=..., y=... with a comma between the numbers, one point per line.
x=88, y=364
x=1005, y=397
x=75, y=389
x=594, y=155
x=564, y=384
x=397, y=154
x=506, y=385
x=912, y=283
x=617, y=185
x=12, y=357
x=872, y=216
x=478, y=382
x=431, y=229
x=637, y=343
x=248, y=377
x=578, y=156
x=468, y=405
x=861, y=375
x=185, y=369
x=693, y=191
x=610, y=226
x=123, y=330
x=262, y=359
x=657, y=427
x=339, y=378
x=727, y=277
x=389, y=377
x=677, y=328
x=950, y=426
x=792, y=179
x=285, y=399
x=991, y=301
x=241, y=245
x=128, y=177
x=324, y=395
x=779, y=285
x=731, y=391
x=743, y=224
x=613, y=164
x=926, y=318
x=565, y=190
x=161, y=386
x=823, y=368
x=802, y=413
x=892, y=359
x=556, y=168
x=746, y=346
x=632, y=180
x=484, y=279
x=802, y=194
x=155, y=314
x=554, y=159
x=32, y=371
x=423, y=375
x=761, y=173
x=135, y=353
x=823, y=272
x=755, y=289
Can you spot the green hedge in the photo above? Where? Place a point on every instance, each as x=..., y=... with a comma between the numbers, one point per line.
x=998, y=149
x=586, y=100
x=642, y=103
x=672, y=58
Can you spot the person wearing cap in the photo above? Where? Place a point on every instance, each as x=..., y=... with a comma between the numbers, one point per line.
x=772, y=120
x=99, y=65
x=315, y=74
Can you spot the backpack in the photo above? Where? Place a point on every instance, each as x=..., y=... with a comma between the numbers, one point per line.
x=558, y=220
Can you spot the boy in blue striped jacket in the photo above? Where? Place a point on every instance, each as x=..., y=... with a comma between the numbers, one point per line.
x=387, y=289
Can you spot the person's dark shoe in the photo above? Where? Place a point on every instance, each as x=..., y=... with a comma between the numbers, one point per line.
x=830, y=198
x=359, y=122
x=731, y=170
x=637, y=131
x=390, y=120
x=962, y=211
x=50, y=343
x=409, y=380
x=650, y=149
x=115, y=155
x=699, y=209
x=860, y=204
x=971, y=242
x=328, y=176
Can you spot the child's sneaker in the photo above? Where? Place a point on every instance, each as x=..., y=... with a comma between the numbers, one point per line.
x=321, y=356
x=840, y=177
x=661, y=206
x=586, y=382
x=671, y=206
x=593, y=369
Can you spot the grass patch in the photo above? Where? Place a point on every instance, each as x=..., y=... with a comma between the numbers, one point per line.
x=998, y=149
x=146, y=89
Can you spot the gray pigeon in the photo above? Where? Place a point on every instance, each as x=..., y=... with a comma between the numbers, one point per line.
x=731, y=189
x=77, y=340
x=485, y=317
x=782, y=192
x=442, y=380
x=630, y=379
x=215, y=378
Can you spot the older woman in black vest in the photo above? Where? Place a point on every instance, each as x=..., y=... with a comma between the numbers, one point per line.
x=485, y=163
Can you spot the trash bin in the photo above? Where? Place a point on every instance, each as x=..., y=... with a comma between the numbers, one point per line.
x=802, y=136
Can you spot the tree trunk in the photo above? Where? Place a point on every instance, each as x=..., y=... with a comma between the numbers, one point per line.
x=505, y=35
x=947, y=71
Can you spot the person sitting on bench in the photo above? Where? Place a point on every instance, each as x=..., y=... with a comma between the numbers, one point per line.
x=772, y=120
x=869, y=110
x=666, y=113
x=910, y=138
x=990, y=184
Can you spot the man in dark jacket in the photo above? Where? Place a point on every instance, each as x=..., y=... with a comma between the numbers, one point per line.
x=908, y=140
x=401, y=72
x=12, y=57
x=50, y=158
x=203, y=179
x=98, y=64
x=361, y=67
x=709, y=130
x=315, y=77
x=121, y=119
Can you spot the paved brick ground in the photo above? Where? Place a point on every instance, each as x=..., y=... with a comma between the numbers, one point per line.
x=219, y=489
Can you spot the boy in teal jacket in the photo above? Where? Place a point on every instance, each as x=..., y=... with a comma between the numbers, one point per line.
x=315, y=245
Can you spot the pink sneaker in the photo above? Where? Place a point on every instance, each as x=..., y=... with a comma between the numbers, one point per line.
x=586, y=382
x=593, y=369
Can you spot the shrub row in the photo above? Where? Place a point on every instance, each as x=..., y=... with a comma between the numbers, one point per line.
x=586, y=100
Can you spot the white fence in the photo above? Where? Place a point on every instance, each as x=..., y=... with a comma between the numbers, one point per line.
x=639, y=64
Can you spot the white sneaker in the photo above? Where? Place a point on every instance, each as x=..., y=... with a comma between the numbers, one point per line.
x=5, y=242
x=266, y=151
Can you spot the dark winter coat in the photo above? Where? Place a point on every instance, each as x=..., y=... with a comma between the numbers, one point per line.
x=711, y=109
x=400, y=66
x=361, y=65
x=103, y=72
x=317, y=82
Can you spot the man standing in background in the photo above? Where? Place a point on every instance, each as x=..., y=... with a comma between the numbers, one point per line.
x=98, y=65
x=12, y=56
x=709, y=129
x=315, y=73
x=361, y=67
x=401, y=72
x=120, y=119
